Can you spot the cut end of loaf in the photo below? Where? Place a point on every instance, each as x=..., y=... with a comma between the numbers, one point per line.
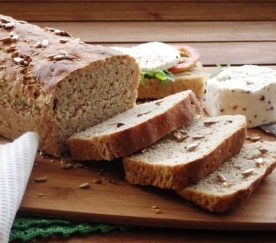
x=135, y=128
x=56, y=87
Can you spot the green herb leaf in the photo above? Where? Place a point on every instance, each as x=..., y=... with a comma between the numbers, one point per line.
x=164, y=76
x=220, y=69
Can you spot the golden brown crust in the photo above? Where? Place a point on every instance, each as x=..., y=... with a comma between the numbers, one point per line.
x=220, y=197
x=42, y=70
x=180, y=109
x=167, y=163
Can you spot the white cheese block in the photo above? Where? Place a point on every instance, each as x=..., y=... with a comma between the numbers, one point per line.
x=249, y=90
x=153, y=55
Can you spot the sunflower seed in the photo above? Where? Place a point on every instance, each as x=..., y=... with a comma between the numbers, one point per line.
x=67, y=166
x=6, y=39
x=209, y=122
x=198, y=136
x=259, y=161
x=14, y=37
x=40, y=179
x=38, y=44
x=22, y=22
x=180, y=135
x=51, y=56
x=221, y=177
x=84, y=185
x=247, y=172
x=58, y=57
x=255, y=137
x=192, y=146
x=9, y=25
x=19, y=60
x=69, y=57
x=4, y=20
x=155, y=210
x=63, y=40
x=63, y=52
x=45, y=43
x=263, y=150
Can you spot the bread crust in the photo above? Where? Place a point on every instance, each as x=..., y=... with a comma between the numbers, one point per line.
x=237, y=188
x=55, y=85
x=162, y=164
x=192, y=79
x=180, y=109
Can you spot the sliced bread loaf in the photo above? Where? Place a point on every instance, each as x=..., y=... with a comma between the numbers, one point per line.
x=188, y=154
x=135, y=128
x=235, y=180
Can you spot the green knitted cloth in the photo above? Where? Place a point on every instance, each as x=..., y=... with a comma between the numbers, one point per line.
x=26, y=229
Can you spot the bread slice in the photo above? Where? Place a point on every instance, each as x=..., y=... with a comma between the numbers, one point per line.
x=188, y=154
x=192, y=79
x=235, y=180
x=135, y=128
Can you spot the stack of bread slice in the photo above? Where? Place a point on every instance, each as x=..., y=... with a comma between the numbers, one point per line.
x=169, y=143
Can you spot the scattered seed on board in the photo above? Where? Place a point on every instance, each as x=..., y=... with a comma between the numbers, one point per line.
x=96, y=181
x=67, y=166
x=255, y=137
x=84, y=185
x=155, y=210
x=40, y=179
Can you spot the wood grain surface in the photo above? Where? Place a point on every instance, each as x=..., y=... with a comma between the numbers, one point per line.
x=91, y=10
x=110, y=199
x=241, y=32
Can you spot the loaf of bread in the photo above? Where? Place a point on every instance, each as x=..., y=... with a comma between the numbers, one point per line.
x=55, y=85
x=192, y=79
x=235, y=180
x=135, y=128
x=248, y=90
x=187, y=154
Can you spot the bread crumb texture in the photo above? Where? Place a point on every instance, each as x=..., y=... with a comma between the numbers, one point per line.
x=55, y=85
x=187, y=154
x=135, y=128
x=242, y=174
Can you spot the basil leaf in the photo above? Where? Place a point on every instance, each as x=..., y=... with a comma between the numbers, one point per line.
x=163, y=76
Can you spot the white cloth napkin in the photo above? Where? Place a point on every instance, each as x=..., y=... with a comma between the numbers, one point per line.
x=16, y=163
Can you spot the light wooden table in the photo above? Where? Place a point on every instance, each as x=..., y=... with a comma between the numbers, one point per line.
x=239, y=32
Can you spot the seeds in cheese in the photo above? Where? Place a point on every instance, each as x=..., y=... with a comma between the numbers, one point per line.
x=153, y=55
x=249, y=90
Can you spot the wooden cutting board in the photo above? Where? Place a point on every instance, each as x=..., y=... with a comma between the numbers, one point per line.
x=111, y=199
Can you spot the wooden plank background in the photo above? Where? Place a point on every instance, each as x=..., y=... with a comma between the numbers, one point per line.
x=151, y=10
